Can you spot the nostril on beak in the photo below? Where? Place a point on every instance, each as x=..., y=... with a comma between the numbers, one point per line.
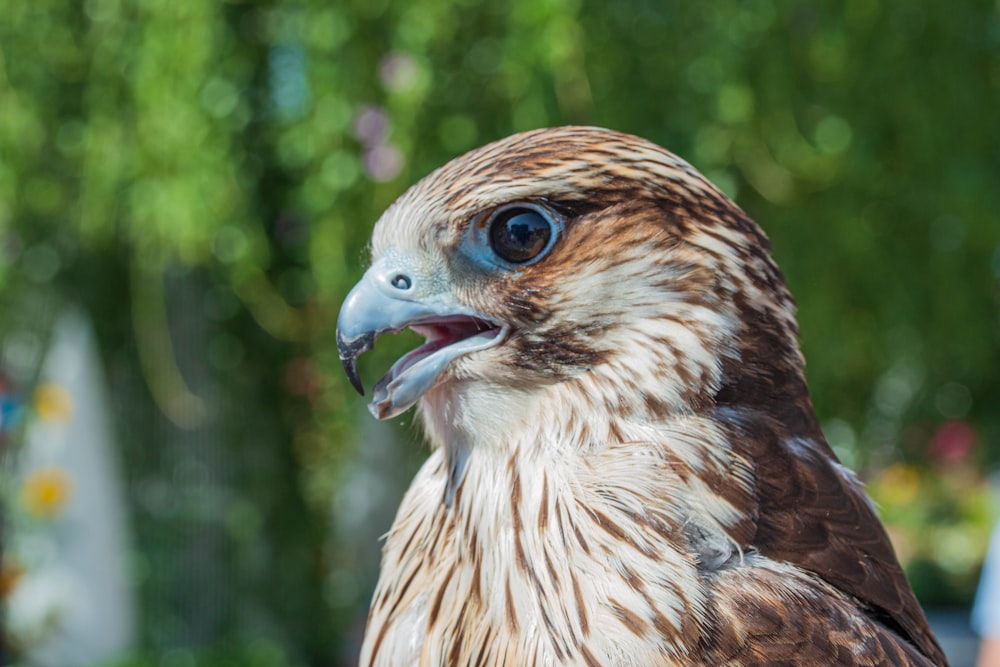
x=401, y=282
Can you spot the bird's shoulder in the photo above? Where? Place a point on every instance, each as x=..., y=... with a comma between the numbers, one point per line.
x=774, y=613
x=812, y=512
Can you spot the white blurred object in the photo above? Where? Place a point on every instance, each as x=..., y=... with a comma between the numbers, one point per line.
x=40, y=603
x=75, y=605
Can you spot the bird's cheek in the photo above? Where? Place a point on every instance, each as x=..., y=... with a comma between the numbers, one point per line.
x=480, y=365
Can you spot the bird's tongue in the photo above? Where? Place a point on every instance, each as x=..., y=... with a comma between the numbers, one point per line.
x=415, y=373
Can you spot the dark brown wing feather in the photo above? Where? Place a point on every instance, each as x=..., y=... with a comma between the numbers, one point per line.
x=811, y=514
x=760, y=625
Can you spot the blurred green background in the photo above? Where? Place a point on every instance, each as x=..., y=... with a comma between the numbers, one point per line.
x=200, y=179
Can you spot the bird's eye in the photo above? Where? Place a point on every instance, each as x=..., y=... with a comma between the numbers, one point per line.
x=519, y=234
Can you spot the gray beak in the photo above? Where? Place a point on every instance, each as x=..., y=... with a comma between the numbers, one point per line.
x=391, y=296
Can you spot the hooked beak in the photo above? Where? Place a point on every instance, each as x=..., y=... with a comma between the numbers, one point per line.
x=388, y=300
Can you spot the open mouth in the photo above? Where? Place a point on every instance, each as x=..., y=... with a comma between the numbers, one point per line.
x=447, y=338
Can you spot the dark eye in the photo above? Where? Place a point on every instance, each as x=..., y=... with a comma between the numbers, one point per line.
x=519, y=234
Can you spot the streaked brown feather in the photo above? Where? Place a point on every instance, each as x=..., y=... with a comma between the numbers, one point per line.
x=758, y=628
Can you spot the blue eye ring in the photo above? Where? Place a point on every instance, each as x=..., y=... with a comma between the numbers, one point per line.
x=520, y=234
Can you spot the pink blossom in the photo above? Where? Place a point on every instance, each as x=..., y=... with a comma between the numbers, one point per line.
x=953, y=441
x=371, y=124
x=383, y=162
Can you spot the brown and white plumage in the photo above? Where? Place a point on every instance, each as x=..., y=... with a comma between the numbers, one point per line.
x=626, y=468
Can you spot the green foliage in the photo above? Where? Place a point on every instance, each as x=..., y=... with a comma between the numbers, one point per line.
x=940, y=523
x=203, y=177
x=243, y=653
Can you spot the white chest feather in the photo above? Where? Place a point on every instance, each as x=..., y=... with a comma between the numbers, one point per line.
x=548, y=557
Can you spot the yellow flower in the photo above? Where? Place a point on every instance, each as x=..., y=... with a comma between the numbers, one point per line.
x=53, y=402
x=45, y=492
x=899, y=485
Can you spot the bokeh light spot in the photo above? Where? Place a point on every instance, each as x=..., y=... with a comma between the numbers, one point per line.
x=899, y=484
x=953, y=400
x=53, y=403
x=371, y=125
x=954, y=441
x=230, y=244
x=833, y=135
x=340, y=170
x=219, y=97
x=735, y=103
x=399, y=72
x=383, y=162
x=45, y=492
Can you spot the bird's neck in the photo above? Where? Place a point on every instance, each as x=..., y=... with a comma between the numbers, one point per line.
x=478, y=422
x=552, y=502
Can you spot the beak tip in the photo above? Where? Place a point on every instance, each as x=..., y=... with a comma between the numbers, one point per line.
x=349, y=351
x=350, y=364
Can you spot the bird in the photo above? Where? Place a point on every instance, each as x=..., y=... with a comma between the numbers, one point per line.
x=625, y=467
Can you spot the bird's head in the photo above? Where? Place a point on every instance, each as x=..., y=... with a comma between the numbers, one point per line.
x=567, y=257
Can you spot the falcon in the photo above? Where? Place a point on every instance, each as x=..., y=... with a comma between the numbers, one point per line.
x=625, y=466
